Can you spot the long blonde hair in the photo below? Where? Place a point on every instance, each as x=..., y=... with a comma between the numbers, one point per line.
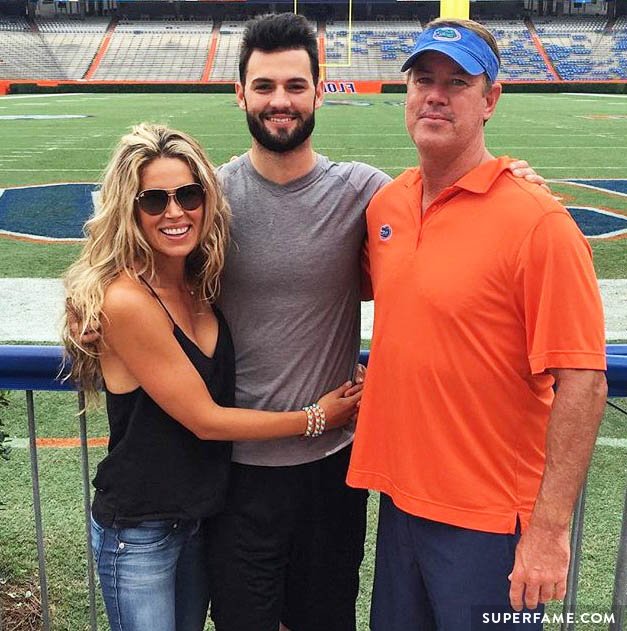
x=116, y=244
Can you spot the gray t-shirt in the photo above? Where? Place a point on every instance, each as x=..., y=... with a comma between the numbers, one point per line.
x=290, y=293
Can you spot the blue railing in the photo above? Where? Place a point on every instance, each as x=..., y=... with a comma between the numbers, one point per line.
x=32, y=368
x=38, y=367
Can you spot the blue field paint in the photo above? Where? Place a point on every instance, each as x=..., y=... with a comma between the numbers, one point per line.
x=594, y=222
x=58, y=211
x=51, y=211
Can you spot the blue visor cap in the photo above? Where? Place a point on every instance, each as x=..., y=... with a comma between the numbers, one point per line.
x=462, y=45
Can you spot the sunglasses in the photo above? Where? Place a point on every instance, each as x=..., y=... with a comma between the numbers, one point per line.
x=154, y=201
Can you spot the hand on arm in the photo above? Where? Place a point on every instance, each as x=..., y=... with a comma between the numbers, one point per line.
x=543, y=552
x=521, y=168
x=82, y=338
x=139, y=333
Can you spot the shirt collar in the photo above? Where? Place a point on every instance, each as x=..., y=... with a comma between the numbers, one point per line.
x=481, y=178
x=478, y=180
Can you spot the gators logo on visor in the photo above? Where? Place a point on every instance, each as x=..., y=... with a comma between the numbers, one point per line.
x=446, y=34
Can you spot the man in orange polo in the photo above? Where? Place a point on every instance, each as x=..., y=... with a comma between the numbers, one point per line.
x=485, y=297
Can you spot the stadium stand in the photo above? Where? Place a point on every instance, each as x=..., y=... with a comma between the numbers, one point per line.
x=164, y=50
x=520, y=59
x=227, y=52
x=377, y=49
x=52, y=49
x=13, y=24
x=583, y=48
x=580, y=48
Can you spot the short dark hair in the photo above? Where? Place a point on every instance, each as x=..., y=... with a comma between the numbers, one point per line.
x=277, y=32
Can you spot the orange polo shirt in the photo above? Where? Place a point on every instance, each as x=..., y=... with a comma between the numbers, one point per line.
x=474, y=301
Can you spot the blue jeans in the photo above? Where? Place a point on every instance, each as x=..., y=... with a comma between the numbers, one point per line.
x=154, y=575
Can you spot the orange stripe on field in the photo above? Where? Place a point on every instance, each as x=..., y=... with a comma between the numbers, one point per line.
x=66, y=443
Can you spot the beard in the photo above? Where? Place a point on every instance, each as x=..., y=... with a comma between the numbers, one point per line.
x=284, y=140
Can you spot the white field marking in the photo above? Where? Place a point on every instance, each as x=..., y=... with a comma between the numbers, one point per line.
x=40, y=96
x=605, y=441
x=47, y=185
x=595, y=188
x=613, y=293
x=35, y=237
x=27, y=305
x=566, y=95
x=32, y=309
x=54, y=171
x=359, y=155
x=44, y=117
x=2, y=191
x=602, y=96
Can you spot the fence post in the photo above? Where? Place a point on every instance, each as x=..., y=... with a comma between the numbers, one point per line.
x=41, y=554
x=619, y=601
x=87, y=510
x=576, y=538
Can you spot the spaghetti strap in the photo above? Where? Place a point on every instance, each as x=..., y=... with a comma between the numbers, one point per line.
x=154, y=293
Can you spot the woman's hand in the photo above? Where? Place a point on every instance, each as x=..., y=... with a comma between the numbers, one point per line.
x=341, y=404
x=82, y=338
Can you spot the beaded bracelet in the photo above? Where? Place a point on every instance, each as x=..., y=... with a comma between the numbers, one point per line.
x=316, y=421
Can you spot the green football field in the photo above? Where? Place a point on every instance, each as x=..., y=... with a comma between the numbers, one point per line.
x=562, y=136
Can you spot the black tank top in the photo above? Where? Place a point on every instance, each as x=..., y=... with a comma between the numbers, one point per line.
x=155, y=467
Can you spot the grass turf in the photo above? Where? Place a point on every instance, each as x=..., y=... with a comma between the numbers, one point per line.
x=562, y=136
x=64, y=528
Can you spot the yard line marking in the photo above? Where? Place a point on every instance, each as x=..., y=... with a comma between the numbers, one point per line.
x=602, y=96
x=53, y=170
x=41, y=96
x=596, y=188
x=605, y=441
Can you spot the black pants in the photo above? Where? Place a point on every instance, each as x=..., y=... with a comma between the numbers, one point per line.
x=288, y=548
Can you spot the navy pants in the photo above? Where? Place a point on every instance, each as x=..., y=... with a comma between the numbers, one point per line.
x=432, y=576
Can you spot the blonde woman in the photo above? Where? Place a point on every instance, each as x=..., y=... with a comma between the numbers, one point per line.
x=146, y=279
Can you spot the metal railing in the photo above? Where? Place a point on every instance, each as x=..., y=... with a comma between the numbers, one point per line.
x=33, y=368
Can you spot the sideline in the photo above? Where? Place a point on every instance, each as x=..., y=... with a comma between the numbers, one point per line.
x=32, y=309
